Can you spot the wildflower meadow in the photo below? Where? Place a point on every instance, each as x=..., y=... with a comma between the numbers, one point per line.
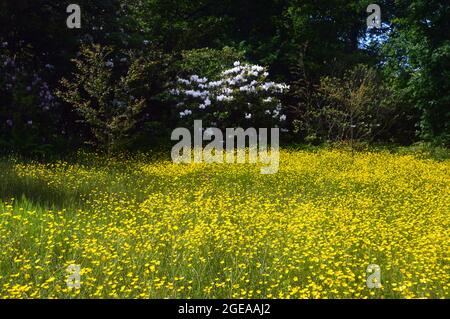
x=141, y=226
x=239, y=153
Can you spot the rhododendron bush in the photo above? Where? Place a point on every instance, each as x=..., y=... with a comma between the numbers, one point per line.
x=27, y=101
x=241, y=96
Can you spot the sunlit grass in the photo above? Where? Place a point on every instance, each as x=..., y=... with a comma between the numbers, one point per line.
x=142, y=227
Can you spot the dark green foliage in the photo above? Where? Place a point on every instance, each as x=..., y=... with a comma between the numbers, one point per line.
x=206, y=62
x=311, y=45
x=417, y=64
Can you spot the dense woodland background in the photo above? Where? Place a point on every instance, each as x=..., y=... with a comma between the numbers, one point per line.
x=107, y=85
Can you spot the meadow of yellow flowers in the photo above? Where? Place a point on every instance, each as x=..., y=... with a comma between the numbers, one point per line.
x=142, y=227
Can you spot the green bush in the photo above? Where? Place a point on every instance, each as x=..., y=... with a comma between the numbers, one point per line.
x=206, y=62
x=113, y=90
x=28, y=105
x=356, y=106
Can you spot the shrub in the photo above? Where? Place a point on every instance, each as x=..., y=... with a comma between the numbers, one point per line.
x=241, y=96
x=206, y=62
x=112, y=90
x=27, y=102
x=356, y=106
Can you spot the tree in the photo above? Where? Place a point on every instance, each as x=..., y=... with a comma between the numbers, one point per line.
x=110, y=90
x=417, y=63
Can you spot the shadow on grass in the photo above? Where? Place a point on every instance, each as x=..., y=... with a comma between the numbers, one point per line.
x=32, y=189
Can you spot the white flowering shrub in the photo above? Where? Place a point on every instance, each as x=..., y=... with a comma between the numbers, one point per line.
x=242, y=96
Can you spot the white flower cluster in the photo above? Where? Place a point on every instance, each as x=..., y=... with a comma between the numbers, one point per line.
x=185, y=113
x=237, y=87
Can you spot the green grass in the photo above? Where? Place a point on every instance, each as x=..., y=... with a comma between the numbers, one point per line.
x=142, y=227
